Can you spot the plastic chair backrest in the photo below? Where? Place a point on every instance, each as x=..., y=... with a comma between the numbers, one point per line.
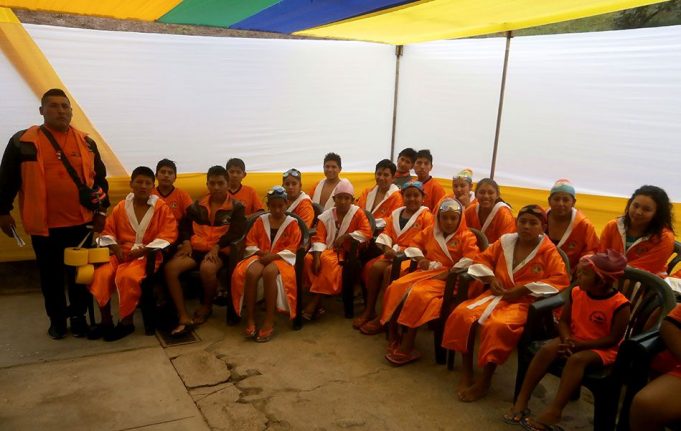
x=318, y=209
x=674, y=259
x=566, y=260
x=305, y=232
x=481, y=238
x=650, y=297
x=372, y=221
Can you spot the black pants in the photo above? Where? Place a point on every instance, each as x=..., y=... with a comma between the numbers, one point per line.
x=49, y=252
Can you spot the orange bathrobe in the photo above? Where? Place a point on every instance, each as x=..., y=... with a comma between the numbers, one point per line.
x=420, y=292
x=579, y=239
x=158, y=229
x=649, y=253
x=391, y=201
x=397, y=238
x=499, y=221
x=356, y=223
x=285, y=243
x=665, y=362
x=316, y=194
x=302, y=207
x=501, y=321
x=433, y=193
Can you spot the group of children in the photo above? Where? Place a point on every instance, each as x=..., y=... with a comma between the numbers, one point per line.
x=414, y=217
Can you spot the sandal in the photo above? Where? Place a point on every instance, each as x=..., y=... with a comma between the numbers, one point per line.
x=512, y=418
x=201, y=317
x=313, y=316
x=182, y=329
x=538, y=426
x=360, y=321
x=264, y=335
x=249, y=331
x=398, y=358
x=372, y=327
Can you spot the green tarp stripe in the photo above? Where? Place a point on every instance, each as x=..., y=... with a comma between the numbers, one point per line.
x=215, y=13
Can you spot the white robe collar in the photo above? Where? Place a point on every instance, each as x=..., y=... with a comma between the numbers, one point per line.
x=623, y=235
x=301, y=197
x=328, y=217
x=317, y=195
x=266, y=224
x=140, y=228
x=492, y=214
x=569, y=230
x=371, y=197
x=396, y=220
x=508, y=242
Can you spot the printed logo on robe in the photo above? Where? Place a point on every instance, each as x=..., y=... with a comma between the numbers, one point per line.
x=226, y=219
x=417, y=225
x=571, y=245
x=537, y=269
x=598, y=317
x=642, y=250
x=173, y=205
x=453, y=243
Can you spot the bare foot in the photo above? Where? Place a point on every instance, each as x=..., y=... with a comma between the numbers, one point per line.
x=547, y=417
x=474, y=392
x=465, y=382
x=359, y=321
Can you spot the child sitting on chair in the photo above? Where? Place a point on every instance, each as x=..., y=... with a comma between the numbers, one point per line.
x=299, y=203
x=336, y=228
x=271, y=246
x=591, y=327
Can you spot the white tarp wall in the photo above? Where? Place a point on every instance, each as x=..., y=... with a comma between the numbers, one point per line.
x=200, y=100
x=602, y=109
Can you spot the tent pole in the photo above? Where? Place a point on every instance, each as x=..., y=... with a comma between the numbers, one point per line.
x=398, y=54
x=509, y=35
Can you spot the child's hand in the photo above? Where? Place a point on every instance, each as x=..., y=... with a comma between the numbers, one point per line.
x=389, y=254
x=423, y=264
x=566, y=348
x=316, y=264
x=496, y=287
x=338, y=243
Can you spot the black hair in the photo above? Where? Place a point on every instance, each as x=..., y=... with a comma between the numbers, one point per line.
x=425, y=154
x=386, y=164
x=492, y=183
x=333, y=157
x=166, y=163
x=409, y=153
x=236, y=163
x=216, y=171
x=52, y=92
x=664, y=215
x=143, y=171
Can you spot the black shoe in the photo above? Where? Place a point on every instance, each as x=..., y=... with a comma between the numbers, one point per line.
x=79, y=327
x=120, y=331
x=57, y=331
x=96, y=332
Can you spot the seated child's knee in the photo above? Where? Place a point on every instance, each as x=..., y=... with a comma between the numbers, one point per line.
x=270, y=271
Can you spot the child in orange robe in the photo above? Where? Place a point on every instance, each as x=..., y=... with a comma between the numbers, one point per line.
x=402, y=226
x=270, y=256
x=644, y=234
x=299, y=202
x=415, y=299
x=337, y=226
x=323, y=191
x=567, y=227
x=383, y=198
x=591, y=328
x=519, y=268
x=489, y=213
x=139, y=223
x=433, y=191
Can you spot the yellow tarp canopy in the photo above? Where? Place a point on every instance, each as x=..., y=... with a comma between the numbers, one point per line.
x=449, y=19
x=146, y=10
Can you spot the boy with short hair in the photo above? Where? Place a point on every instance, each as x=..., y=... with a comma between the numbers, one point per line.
x=139, y=223
x=323, y=191
x=383, y=198
x=405, y=162
x=211, y=224
x=236, y=171
x=177, y=199
x=434, y=192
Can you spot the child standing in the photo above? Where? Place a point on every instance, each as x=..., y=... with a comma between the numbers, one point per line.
x=383, y=198
x=433, y=191
x=405, y=161
x=236, y=172
x=489, y=213
x=324, y=190
x=591, y=328
x=177, y=199
x=271, y=246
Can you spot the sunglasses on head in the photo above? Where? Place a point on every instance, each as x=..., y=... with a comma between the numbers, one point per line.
x=293, y=173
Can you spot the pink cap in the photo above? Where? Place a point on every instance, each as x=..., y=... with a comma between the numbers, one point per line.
x=344, y=186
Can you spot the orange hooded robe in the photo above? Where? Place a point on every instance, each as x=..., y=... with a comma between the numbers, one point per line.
x=501, y=321
x=285, y=244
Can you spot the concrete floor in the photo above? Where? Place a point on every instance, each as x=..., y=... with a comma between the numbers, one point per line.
x=324, y=377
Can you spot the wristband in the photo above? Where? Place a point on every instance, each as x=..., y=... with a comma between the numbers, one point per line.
x=102, y=213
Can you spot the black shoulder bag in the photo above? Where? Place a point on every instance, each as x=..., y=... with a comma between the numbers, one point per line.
x=89, y=197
